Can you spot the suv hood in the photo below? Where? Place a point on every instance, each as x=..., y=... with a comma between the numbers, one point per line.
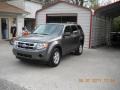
x=37, y=38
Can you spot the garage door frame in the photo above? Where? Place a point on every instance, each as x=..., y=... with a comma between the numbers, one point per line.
x=62, y=15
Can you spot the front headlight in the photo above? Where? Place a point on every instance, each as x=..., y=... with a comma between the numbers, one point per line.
x=42, y=46
x=16, y=43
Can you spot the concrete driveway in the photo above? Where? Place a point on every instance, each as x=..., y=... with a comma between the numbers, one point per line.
x=96, y=69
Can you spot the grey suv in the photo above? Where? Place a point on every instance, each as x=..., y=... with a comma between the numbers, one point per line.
x=49, y=42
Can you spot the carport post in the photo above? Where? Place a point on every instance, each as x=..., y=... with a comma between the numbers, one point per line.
x=91, y=23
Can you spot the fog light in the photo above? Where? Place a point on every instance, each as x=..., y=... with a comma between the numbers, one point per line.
x=40, y=55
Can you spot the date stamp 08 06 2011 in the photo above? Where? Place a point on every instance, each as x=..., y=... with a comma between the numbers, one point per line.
x=97, y=80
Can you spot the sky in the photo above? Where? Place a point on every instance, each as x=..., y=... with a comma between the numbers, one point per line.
x=104, y=2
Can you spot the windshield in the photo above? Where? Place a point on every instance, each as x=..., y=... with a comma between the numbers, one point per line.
x=48, y=29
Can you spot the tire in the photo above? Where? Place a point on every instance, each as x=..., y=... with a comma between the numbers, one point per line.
x=55, y=58
x=79, y=50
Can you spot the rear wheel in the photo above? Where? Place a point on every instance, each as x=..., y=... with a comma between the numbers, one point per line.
x=79, y=50
x=55, y=58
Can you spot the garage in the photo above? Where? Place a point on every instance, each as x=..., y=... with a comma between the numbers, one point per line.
x=61, y=18
x=103, y=32
x=65, y=12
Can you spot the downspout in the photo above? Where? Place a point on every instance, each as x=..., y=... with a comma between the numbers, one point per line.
x=91, y=22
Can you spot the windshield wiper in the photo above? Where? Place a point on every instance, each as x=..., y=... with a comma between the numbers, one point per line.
x=41, y=33
x=44, y=34
x=35, y=33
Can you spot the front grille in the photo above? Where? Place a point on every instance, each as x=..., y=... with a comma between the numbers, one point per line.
x=26, y=45
x=24, y=55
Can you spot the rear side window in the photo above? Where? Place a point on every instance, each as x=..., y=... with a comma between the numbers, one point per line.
x=79, y=28
x=74, y=28
x=68, y=29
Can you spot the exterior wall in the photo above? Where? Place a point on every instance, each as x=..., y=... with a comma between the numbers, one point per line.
x=28, y=6
x=108, y=30
x=20, y=24
x=32, y=8
x=101, y=31
x=83, y=17
x=10, y=22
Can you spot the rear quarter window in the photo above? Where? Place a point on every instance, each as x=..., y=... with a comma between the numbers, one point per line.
x=80, y=29
x=68, y=29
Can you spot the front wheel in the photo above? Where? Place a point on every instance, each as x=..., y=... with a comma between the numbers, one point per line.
x=79, y=50
x=55, y=58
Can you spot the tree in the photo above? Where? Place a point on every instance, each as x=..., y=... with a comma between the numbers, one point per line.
x=78, y=2
x=116, y=24
x=105, y=2
x=92, y=4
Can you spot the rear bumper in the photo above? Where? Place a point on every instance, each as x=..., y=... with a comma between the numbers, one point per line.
x=31, y=54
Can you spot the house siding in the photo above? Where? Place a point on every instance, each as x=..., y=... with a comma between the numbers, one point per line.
x=20, y=24
x=17, y=3
x=28, y=6
x=101, y=31
x=83, y=17
x=32, y=7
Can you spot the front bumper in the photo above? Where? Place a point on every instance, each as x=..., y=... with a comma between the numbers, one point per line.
x=31, y=54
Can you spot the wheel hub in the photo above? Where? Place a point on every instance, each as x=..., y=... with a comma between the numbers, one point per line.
x=56, y=57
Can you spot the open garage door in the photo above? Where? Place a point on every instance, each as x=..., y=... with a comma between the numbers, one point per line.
x=61, y=18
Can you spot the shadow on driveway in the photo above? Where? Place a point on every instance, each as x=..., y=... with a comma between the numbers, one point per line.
x=7, y=85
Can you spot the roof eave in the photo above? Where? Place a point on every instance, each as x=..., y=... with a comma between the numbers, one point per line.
x=50, y=5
